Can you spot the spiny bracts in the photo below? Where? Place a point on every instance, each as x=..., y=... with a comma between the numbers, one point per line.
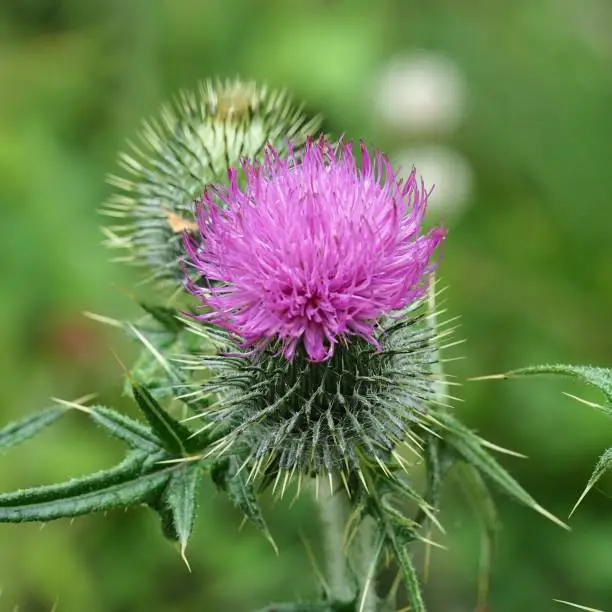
x=191, y=145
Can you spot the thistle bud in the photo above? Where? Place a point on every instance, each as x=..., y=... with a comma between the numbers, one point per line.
x=192, y=144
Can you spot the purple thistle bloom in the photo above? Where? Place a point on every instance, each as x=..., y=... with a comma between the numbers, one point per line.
x=312, y=250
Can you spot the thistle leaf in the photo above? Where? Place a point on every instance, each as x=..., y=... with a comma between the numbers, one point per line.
x=397, y=534
x=174, y=437
x=153, y=366
x=468, y=446
x=410, y=578
x=131, y=482
x=20, y=431
x=136, y=435
x=479, y=497
x=602, y=466
x=241, y=493
x=600, y=378
x=167, y=317
x=180, y=496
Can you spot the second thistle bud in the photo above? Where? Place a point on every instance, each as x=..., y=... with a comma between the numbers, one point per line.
x=192, y=144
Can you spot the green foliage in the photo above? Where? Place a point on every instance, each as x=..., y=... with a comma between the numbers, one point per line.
x=173, y=436
x=601, y=379
x=132, y=482
x=157, y=471
x=20, y=431
x=228, y=477
x=469, y=447
x=180, y=499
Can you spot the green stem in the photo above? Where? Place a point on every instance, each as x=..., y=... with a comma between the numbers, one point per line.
x=335, y=511
x=347, y=571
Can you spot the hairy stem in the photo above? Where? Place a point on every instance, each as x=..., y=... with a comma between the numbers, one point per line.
x=335, y=510
x=348, y=571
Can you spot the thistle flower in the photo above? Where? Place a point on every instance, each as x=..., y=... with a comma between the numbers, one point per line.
x=192, y=144
x=313, y=252
x=316, y=270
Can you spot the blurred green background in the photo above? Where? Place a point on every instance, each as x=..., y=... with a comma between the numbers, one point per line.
x=506, y=106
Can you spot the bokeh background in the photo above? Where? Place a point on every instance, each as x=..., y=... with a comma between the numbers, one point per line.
x=506, y=106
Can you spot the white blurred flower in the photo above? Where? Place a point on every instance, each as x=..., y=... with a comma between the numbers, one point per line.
x=445, y=169
x=420, y=92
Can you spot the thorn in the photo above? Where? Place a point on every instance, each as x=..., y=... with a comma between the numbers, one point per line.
x=581, y=498
x=383, y=467
x=285, y=481
x=427, y=557
x=313, y=561
x=299, y=489
x=122, y=366
x=363, y=482
x=272, y=543
x=501, y=449
x=579, y=607
x=490, y=377
x=276, y=481
x=184, y=556
x=102, y=319
x=76, y=403
x=583, y=401
x=430, y=544
x=345, y=483
x=158, y=356
x=550, y=516
x=188, y=459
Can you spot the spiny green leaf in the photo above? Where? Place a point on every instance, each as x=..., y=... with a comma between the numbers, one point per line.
x=167, y=317
x=602, y=466
x=133, y=465
x=120, y=487
x=174, y=436
x=409, y=574
x=133, y=433
x=160, y=333
x=241, y=493
x=469, y=447
x=479, y=497
x=600, y=378
x=395, y=537
x=153, y=365
x=180, y=498
x=20, y=431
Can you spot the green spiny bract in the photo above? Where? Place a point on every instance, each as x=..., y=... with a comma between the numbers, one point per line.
x=192, y=144
x=305, y=418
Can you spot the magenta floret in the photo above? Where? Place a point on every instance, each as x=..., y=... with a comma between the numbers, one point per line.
x=312, y=250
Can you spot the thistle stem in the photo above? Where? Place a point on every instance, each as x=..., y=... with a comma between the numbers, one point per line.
x=348, y=571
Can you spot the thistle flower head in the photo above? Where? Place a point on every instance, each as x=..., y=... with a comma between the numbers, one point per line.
x=314, y=271
x=192, y=144
x=312, y=251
